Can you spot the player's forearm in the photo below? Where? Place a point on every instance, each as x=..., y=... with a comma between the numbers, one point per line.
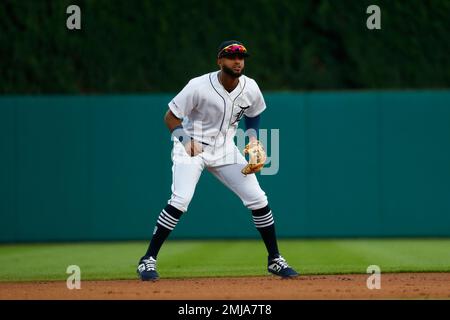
x=176, y=128
x=252, y=126
x=171, y=121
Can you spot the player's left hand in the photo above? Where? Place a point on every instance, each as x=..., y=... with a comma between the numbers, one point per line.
x=257, y=157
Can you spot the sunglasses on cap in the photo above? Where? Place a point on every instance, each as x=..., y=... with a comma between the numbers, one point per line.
x=233, y=49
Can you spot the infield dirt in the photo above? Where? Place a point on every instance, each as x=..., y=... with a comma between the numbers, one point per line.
x=393, y=286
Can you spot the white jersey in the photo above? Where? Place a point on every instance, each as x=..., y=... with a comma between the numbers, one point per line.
x=210, y=113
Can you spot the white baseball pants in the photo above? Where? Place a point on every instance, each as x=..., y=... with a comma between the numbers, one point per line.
x=225, y=165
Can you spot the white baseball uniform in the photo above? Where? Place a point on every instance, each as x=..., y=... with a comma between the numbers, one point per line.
x=210, y=115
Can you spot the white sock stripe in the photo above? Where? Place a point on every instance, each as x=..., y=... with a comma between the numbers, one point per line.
x=262, y=217
x=262, y=220
x=168, y=219
x=265, y=225
x=164, y=225
x=167, y=222
x=165, y=218
x=169, y=216
x=257, y=223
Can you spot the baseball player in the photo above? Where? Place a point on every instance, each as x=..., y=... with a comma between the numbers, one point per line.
x=203, y=119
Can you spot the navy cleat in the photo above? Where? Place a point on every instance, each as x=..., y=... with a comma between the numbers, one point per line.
x=278, y=266
x=147, y=269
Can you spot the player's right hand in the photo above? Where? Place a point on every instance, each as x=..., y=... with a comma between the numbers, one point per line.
x=193, y=148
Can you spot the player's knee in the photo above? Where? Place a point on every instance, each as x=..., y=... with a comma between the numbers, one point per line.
x=180, y=202
x=257, y=203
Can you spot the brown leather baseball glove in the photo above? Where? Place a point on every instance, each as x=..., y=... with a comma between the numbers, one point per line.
x=257, y=157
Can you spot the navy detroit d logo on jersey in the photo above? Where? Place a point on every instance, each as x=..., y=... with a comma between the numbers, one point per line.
x=240, y=106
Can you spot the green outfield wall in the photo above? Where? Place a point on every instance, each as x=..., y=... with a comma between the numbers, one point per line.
x=351, y=164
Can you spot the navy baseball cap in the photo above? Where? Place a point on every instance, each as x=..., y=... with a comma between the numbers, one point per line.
x=231, y=47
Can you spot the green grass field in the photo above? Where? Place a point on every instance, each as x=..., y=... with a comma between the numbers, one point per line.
x=180, y=259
